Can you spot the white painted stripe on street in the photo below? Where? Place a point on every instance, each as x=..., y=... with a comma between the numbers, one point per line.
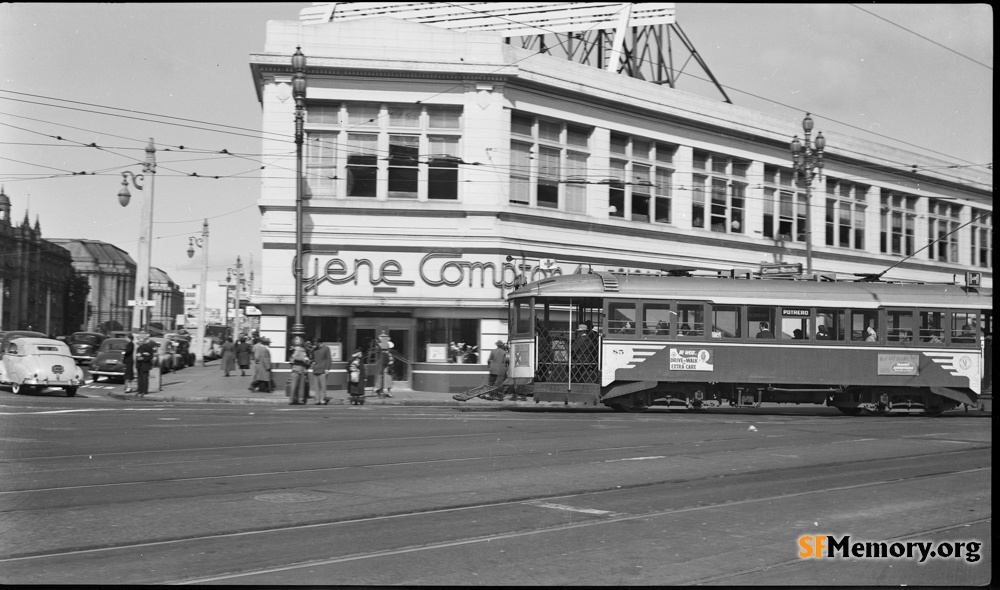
x=83, y=410
x=836, y=442
x=571, y=508
x=636, y=459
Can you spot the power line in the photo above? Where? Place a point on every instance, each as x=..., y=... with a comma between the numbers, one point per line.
x=929, y=40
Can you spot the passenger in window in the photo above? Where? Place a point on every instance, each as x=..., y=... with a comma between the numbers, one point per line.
x=871, y=335
x=966, y=337
x=662, y=328
x=821, y=333
x=796, y=334
x=765, y=331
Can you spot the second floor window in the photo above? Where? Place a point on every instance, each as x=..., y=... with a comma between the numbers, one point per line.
x=548, y=165
x=724, y=179
x=942, y=230
x=846, y=204
x=784, y=208
x=899, y=214
x=982, y=238
x=383, y=151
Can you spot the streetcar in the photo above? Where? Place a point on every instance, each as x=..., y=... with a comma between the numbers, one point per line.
x=631, y=341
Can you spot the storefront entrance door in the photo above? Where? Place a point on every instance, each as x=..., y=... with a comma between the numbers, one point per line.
x=366, y=332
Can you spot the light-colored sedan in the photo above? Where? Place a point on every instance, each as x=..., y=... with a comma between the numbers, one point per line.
x=34, y=364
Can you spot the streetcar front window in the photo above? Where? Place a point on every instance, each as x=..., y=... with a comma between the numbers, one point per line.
x=522, y=317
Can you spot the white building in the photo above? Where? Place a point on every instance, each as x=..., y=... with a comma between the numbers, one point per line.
x=441, y=164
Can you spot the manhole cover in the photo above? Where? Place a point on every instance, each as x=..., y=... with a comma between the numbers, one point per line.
x=290, y=497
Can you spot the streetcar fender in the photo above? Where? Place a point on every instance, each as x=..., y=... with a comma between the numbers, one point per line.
x=958, y=395
x=627, y=388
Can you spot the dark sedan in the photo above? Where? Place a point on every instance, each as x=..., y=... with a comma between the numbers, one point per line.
x=108, y=362
x=84, y=345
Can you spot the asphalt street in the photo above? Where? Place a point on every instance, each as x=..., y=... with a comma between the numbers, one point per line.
x=106, y=490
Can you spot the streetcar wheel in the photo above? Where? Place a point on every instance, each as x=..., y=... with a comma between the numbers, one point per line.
x=635, y=409
x=879, y=410
x=851, y=411
x=617, y=407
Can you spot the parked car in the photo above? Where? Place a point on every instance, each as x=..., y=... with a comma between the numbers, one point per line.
x=84, y=345
x=31, y=364
x=109, y=360
x=182, y=346
x=6, y=337
x=165, y=357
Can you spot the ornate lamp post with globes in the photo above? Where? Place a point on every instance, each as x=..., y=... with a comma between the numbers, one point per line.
x=139, y=316
x=202, y=242
x=805, y=162
x=299, y=93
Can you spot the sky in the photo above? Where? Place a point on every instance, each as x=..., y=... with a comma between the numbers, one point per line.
x=914, y=76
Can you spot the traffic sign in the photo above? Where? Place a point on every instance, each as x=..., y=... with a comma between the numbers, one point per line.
x=141, y=303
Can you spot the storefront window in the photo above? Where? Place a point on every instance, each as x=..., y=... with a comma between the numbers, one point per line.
x=460, y=335
x=328, y=330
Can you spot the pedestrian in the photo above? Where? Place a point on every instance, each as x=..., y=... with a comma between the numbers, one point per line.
x=497, y=363
x=261, y=379
x=300, y=362
x=144, y=362
x=228, y=355
x=129, y=361
x=244, y=353
x=322, y=361
x=384, y=375
x=356, y=378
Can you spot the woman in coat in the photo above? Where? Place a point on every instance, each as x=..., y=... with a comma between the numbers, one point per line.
x=243, y=355
x=261, y=380
x=228, y=356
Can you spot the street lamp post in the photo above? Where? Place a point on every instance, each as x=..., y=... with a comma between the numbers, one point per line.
x=805, y=162
x=202, y=242
x=299, y=93
x=139, y=318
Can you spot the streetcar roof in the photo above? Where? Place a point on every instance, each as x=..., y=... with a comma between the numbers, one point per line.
x=759, y=291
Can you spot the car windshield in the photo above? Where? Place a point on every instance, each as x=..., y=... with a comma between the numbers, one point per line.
x=84, y=338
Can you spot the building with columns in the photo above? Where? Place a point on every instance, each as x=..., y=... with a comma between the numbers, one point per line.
x=442, y=165
x=110, y=273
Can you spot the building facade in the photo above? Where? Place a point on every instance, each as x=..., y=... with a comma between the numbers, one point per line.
x=36, y=277
x=110, y=274
x=168, y=301
x=442, y=167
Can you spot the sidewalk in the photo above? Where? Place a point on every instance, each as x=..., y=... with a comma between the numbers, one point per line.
x=209, y=384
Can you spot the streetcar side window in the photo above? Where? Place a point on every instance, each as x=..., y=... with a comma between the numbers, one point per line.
x=691, y=320
x=831, y=324
x=963, y=327
x=899, y=325
x=621, y=317
x=726, y=321
x=656, y=319
x=761, y=321
x=795, y=323
x=864, y=325
x=932, y=325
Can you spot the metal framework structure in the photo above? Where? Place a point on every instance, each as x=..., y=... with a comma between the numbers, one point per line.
x=635, y=39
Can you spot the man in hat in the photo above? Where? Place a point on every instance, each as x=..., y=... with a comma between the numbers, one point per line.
x=144, y=361
x=498, y=363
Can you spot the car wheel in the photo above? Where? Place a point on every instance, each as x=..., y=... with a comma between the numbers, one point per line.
x=96, y=378
x=20, y=388
x=70, y=391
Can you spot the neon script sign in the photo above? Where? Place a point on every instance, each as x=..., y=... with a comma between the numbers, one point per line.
x=437, y=269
